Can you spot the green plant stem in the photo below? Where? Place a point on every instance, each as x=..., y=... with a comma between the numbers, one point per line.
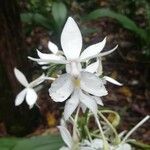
x=110, y=125
x=88, y=133
x=133, y=129
x=75, y=136
x=106, y=146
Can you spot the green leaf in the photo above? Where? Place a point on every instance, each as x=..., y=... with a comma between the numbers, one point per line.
x=122, y=19
x=49, y=142
x=40, y=143
x=59, y=12
x=8, y=143
x=37, y=19
x=140, y=145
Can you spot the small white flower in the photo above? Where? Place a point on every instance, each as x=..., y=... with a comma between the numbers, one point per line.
x=28, y=93
x=96, y=144
x=74, y=84
x=71, y=42
x=77, y=89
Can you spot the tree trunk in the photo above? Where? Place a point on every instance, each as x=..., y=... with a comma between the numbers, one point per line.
x=12, y=54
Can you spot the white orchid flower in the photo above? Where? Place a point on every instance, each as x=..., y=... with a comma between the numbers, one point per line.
x=74, y=83
x=28, y=93
x=96, y=144
x=71, y=42
x=77, y=89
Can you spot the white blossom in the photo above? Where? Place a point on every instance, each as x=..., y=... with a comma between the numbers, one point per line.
x=75, y=91
x=28, y=92
x=76, y=85
x=71, y=42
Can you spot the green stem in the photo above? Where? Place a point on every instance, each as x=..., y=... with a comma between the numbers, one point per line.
x=133, y=129
x=88, y=133
x=111, y=126
x=106, y=145
x=75, y=136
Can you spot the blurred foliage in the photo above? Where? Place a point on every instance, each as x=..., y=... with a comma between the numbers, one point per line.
x=47, y=13
x=133, y=15
x=49, y=142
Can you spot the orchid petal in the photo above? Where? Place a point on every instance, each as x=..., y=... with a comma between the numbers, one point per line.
x=51, y=57
x=111, y=80
x=88, y=102
x=61, y=88
x=92, y=84
x=66, y=136
x=54, y=59
x=108, y=52
x=71, y=105
x=92, y=51
x=98, y=100
x=20, y=77
x=92, y=68
x=100, y=67
x=71, y=39
x=52, y=47
x=20, y=97
x=31, y=97
x=83, y=107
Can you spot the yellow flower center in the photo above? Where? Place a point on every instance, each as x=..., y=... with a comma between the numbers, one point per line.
x=76, y=82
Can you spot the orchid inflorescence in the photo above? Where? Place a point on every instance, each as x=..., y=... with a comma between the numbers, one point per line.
x=81, y=86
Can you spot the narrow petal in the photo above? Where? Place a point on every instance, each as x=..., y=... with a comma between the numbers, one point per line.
x=66, y=136
x=83, y=107
x=98, y=100
x=108, y=52
x=61, y=88
x=100, y=67
x=92, y=51
x=31, y=97
x=48, y=58
x=71, y=39
x=20, y=97
x=88, y=102
x=111, y=80
x=92, y=84
x=37, y=81
x=92, y=68
x=52, y=47
x=20, y=77
x=71, y=105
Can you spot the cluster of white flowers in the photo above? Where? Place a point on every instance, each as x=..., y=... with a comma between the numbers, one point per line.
x=82, y=85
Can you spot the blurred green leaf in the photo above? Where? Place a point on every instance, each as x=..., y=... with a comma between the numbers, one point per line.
x=122, y=19
x=59, y=12
x=37, y=19
x=35, y=143
x=8, y=143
